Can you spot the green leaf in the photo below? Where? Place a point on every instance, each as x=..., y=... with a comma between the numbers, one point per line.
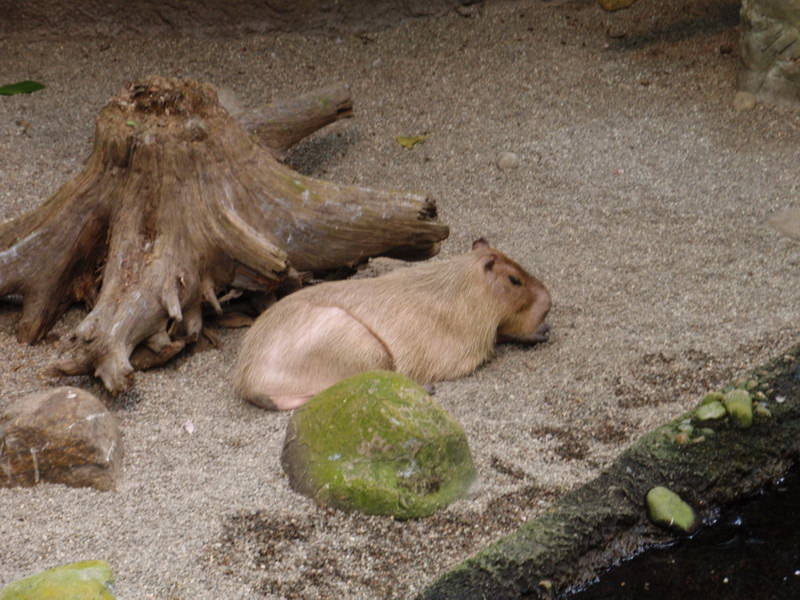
x=410, y=141
x=21, y=87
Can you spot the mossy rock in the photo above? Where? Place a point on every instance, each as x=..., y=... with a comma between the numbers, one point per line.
x=86, y=580
x=666, y=509
x=739, y=405
x=710, y=411
x=379, y=444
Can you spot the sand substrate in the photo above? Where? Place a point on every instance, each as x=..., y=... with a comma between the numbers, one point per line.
x=640, y=200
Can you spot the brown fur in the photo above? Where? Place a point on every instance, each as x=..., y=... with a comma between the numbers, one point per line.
x=434, y=321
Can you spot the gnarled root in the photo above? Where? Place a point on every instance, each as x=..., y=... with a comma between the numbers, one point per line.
x=178, y=203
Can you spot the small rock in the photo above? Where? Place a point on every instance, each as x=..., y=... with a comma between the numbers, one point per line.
x=710, y=411
x=507, y=161
x=666, y=509
x=682, y=438
x=739, y=405
x=712, y=397
x=744, y=101
x=612, y=5
x=63, y=435
x=85, y=580
x=762, y=411
x=786, y=222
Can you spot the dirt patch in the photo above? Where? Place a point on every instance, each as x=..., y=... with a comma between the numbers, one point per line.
x=371, y=552
x=658, y=378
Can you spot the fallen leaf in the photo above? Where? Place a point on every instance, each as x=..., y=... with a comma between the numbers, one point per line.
x=21, y=87
x=410, y=141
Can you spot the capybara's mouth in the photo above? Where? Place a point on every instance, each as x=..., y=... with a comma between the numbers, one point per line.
x=541, y=335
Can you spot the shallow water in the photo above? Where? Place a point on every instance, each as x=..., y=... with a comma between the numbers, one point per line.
x=752, y=552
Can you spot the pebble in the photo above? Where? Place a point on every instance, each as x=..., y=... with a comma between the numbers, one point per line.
x=507, y=161
x=739, y=405
x=666, y=509
x=710, y=411
x=744, y=101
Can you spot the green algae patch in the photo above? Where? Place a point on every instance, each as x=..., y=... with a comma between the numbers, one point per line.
x=712, y=397
x=379, y=444
x=85, y=580
x=739, y=405
x=666, y=509
x=710, y=411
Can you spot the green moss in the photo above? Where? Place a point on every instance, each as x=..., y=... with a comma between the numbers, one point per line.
x=86, y=580
x=762, y=411
x=710, y=411
x=739, y=405
x=377, y=443
x=666, y=509
x=711, y=398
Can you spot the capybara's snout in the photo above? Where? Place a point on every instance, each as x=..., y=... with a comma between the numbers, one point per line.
x=542, y=334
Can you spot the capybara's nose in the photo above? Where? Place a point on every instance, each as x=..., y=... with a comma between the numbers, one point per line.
x=543, y=333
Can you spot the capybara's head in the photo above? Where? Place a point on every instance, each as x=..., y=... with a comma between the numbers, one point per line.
x=523, y=300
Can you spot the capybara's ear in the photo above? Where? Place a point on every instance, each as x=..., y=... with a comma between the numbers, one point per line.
x=488, y=262
x=480, y=243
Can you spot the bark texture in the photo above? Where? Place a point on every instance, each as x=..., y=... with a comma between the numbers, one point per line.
x=179, y=202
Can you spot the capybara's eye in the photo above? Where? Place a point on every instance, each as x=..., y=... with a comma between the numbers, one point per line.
x=514, y=280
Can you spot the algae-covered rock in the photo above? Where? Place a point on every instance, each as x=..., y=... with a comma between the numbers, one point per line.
x=762, y=411
x=712, y=397
x=739, y=405
x=85, y=580
x=377, y=443
x=667, y=509
x=710, y=411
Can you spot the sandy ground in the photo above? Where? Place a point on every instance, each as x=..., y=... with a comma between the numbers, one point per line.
x=640, y=200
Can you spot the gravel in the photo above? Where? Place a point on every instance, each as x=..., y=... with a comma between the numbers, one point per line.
x=641, y=199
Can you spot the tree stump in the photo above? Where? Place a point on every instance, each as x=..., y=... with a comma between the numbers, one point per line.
x=180, y=201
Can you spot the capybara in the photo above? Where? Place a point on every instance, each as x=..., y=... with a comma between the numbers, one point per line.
x=433, y=321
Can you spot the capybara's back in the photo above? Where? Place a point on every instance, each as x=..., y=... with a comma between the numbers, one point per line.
x=433, y=321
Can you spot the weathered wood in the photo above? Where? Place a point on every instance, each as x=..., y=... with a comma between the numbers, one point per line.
x=178, y=203
x=283, y=123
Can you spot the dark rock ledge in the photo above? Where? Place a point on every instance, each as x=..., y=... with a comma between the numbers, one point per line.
x=707, y=463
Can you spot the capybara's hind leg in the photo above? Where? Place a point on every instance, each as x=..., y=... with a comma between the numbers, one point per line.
x=320, y=346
